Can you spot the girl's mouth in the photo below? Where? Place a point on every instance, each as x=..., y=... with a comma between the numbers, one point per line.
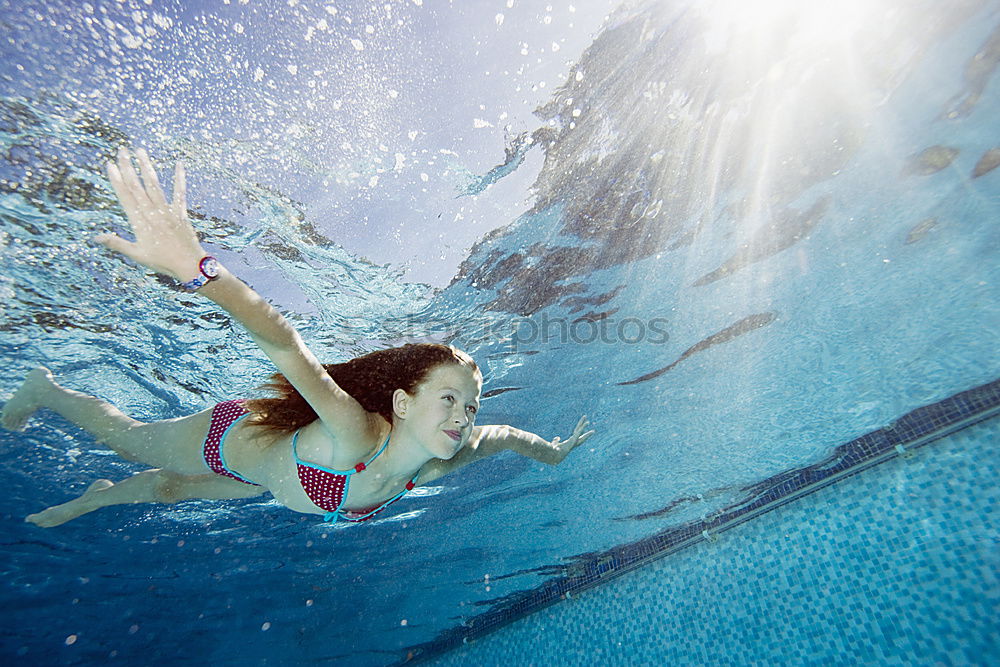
x=454, y=435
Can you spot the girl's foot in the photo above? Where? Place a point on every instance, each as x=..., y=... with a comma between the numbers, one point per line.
x=27, y=399
x=60, y=514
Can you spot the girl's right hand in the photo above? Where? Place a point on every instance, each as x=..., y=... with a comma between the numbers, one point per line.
x=164, y=239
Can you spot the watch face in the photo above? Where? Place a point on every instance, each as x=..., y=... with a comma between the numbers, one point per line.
x=209, y=267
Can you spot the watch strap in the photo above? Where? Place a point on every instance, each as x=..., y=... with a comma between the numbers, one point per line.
x=201, y=280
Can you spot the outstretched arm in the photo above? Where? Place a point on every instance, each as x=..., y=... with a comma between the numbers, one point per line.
x=533, y=446
x=166, y=243
x=490, y=440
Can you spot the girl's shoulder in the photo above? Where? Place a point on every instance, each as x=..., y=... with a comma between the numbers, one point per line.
x=341, y=451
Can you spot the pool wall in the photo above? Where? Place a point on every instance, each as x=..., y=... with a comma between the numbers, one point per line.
x=896, y=565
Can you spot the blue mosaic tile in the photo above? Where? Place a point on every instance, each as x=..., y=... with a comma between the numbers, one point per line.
x=851, y=578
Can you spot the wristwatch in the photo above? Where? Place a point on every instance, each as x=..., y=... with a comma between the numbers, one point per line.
x=209, y=268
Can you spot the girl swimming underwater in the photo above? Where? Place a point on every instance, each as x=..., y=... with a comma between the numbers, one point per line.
x=344, y=440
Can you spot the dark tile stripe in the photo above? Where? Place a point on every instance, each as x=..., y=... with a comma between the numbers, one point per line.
x=914, y=429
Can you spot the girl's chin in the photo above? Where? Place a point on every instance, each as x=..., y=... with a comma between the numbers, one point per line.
x=449, y=452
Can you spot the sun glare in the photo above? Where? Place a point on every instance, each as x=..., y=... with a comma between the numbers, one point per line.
x=813, y=24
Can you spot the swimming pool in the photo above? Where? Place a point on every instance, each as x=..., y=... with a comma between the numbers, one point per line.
x=750, y=240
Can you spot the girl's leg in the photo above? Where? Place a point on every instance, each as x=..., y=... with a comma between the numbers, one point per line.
x=174, y=444
x=148, y=486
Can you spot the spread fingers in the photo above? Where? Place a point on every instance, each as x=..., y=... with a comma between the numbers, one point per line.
x=153, y=189
x=126, y=197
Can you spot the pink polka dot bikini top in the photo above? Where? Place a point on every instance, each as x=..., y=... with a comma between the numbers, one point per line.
x=327, y=488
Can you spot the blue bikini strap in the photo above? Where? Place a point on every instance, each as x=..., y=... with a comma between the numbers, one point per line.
x=380, y=450
x=295, y=454
x=222, y=455
x=333, y=516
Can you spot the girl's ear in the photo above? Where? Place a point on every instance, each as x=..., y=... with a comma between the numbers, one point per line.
x=400, y=403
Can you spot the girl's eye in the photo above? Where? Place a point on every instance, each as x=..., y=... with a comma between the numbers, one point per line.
x=449, y=398
x=472, y=409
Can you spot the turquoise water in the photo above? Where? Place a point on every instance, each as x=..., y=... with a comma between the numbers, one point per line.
x=788, y=230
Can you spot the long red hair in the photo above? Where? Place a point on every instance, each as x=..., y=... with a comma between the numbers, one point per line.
x=370, y=379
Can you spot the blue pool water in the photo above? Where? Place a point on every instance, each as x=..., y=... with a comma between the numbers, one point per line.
x=804, y=585
x=737, y=235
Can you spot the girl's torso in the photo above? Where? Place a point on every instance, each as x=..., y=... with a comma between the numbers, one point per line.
x=270, y=461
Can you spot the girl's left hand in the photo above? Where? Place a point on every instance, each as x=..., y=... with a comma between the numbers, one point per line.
x=164, y=239
x=580, y=435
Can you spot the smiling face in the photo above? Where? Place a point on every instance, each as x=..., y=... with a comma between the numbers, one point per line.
x=442, y=410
